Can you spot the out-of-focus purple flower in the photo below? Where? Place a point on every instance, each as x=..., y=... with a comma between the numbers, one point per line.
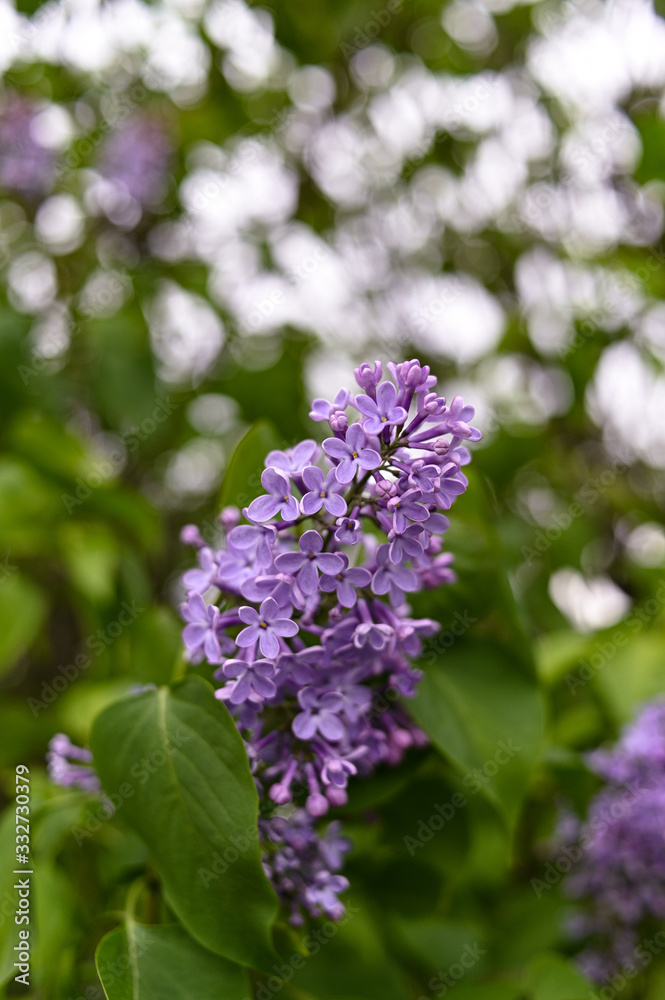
x=71, y=766
x=277, y=500
x=26, y=166
x=136, y=157
x=201, y=634
x=320, y=714
x=199, y=580
x=620, y=863
x=309, y=561
x=376, y=635
x=351, y=454
x=265, y=627
x=294, y=460
x=324, y=492
x=382, y=413
x=256, y=539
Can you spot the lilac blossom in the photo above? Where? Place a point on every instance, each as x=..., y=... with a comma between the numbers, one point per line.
x=392, y=578
x=321, y=713
x=70, y=765
x=201, y=634
x=294, y=460
x=315, y=623
x=309, y=561
x=322, y=409
x=345, y=581
x=252, y=680
x=382, y=413
x=351, y=453
x=277, y=500
x=265, y=627
x=323, y=492
x=620, y=870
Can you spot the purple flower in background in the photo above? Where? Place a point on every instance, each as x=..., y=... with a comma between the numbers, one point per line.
x=321, y=714
x=26, y=166
x=324, y=492
x=295, y=459
x=278, y=499
x=256, y=539
x=370, y=633
x=620, y=868
x=136, y=157
x=71, y=766
x=199, y=580
x=309, y=561
x=252, y=680
x=200, y=635
x=348, y=531
x=264, y=626
x=351, y=453
x=345, y=581
x=382, y=413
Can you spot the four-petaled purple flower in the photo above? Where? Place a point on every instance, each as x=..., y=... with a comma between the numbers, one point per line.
x=309, y=561
x=392, y=577
x=382, y=413
x=345, y=581
x=257, y=539
x=351, y=453
x=264, y=626
x=253, y=681
x=320, y=714
x=293, y=460
x=324, y=492
x=200, y=635
x=278, y=499
x=407, y=506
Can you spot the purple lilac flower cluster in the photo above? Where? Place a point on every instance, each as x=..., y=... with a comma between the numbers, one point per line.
x=621, y=874
x=303, y=610
x=135, y=157
x=26, y=166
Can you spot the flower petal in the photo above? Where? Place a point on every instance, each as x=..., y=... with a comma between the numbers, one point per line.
x=265, y=507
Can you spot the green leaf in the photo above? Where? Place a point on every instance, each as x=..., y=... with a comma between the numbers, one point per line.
x=627, y=672
x=242, y=479
x=486, y=716
x=140, y=962
x=22, y=610
x=551, y=977
x=176, y=759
